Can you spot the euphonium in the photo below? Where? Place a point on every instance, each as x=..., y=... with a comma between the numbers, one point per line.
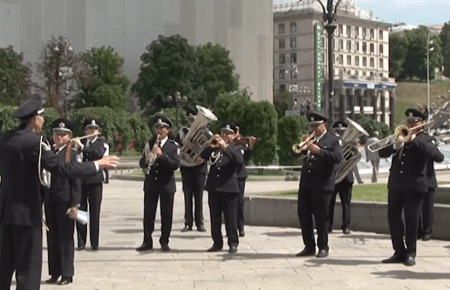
x=298, y=148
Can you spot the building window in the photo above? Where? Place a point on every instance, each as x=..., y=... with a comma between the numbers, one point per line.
x=372, y=62
x=364, y=47
x=293, y=57
x=357, y=60
x=371, y=73
x=323, y=57
x=364, y=32
x=281, y=44
x=293, y=42
x=282, y=58
x=356, y=46
x=341, y=29
x=323, y=72
x=381, y=35
x=349, y=72
x=381, y=63
x=356, y=31
x=323, y=42
x=282, y=74
x=282, y=88
x=372, y=48
x=341, y=59
x=372, y=34
x=281, y=28
x=364, y=73
x=334, y=58
x=341, y=44
x=293, y=26
x=381, y=49
x=349, y=45
x=349, y=60
x=349, y=31
x=364, y=61
x=381, y=75
x=334, y=43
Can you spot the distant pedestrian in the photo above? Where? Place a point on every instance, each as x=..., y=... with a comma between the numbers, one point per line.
x=373, y=157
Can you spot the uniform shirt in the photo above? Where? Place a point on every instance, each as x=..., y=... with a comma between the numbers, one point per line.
x=409, y=164
x=436, y=156
x=93, y=150
x=246, y=152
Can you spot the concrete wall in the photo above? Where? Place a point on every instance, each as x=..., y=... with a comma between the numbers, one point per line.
x=366, y=216
x=243, y=26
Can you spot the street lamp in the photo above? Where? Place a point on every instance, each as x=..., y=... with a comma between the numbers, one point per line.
x=429, y=49
x=176, y=100
x=65, y=72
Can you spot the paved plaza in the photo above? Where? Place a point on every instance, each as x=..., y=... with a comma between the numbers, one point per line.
x=265, y=260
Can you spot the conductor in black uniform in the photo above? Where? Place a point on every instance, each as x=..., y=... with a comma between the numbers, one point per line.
x=193, y=183
x=344, y=188
x=159, y=182
x=222, y=186
x=63, y=198
x=407, y=186
x=20, y=197
x=92, y=187
x=322, y=156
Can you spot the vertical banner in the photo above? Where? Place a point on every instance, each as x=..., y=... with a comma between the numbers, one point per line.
x=318, y=65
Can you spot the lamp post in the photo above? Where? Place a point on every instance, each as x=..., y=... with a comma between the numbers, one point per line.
x=176, y=100
x=429, y=49
x=65, y=71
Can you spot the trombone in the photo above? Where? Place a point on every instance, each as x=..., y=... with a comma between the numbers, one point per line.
x=401, y=134
x=298, y=148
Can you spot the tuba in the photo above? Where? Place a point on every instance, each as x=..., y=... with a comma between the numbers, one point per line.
x=350, y=152
x=198, y=136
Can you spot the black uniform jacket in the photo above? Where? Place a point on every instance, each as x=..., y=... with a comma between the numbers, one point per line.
x=319, y=170
x=437, y=156
x=246, y=152
x=199, y=169
x=409, y=165
x=161, y=177
x=94, y=151
x=20, y=197
x=64, y=189
x=222, y=175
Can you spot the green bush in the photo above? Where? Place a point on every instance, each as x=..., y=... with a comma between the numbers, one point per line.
x=370, y=125
x=290, y=130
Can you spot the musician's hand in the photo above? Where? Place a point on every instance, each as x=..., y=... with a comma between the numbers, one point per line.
x=77, y=141
x=108, y=162
x=149, y=156
x=313, y=148
x=304, y=137
x=251, y=142
x=222, y=144
x=157, y=151
x=72, y=212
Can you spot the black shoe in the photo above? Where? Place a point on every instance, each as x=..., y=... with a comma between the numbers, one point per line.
x=306, y=252
x=80, y=248
x=241, y=233
x=330, y=231
x=232, y=250
x=94, y=248
x=346, y=231
x=186, y=228
x=144, y=247
x=66, y=280
x=201, y=228
x=165, y=248
x=214, y=248
x=396, y=258
x=52, y=280
x=409, y=260
x=426, y=237
x=322, y=253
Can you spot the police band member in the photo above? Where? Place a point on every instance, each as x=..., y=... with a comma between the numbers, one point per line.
x=159, y=182
x=246, y=150
x=222, y=186
x=426, y=218
x=193, y=183
x=322, y=156
x=407, y=186
x=61, y=204
x=92, y=187
x=344, y=188
x=22, y=156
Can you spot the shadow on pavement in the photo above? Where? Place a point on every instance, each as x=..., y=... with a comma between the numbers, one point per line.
x=283, y=234
x=365, y=237
x=342, y=262
x=404, y=274
x=252, y=256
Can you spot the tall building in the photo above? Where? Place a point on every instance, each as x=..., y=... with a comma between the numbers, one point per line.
x=242, y=26
x=361, y=59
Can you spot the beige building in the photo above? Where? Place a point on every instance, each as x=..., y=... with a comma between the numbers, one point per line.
x=361, y=59
x=242, y=26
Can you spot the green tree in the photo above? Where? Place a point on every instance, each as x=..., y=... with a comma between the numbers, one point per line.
x=50, y=115
x=7, y=120
x=445, y=47
x=15, y=77
x=231, y=106
x=102, y=83
x=398, y=48
x=290, y=130
x=370, y=125
x=216, y=71
x=282, y=101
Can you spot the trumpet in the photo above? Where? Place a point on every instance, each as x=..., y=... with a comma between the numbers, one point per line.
x=402, y=134
x=245, y=140
x=298, y=148
x=214, y=142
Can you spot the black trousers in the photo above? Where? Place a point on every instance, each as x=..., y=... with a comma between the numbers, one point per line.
x=427, y=216
x=21, y=251
x=166, y=210
x=411, y=202
x=345, y=194
x=60, y=240
x=241, y=203
x=315, y=203
x=91, y=194
x=193, y=185
x=226, y=203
